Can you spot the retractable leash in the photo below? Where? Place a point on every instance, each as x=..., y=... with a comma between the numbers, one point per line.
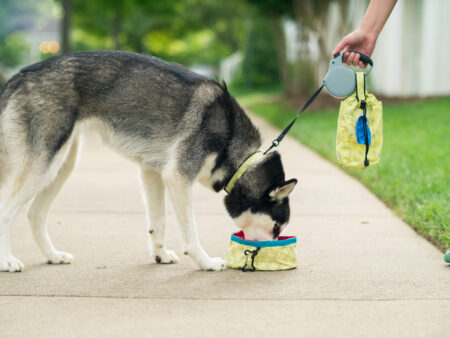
x=340, y=82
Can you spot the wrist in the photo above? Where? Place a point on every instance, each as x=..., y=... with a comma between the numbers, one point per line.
x=368, y=34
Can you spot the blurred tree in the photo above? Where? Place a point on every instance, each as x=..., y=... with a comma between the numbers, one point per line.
x=206, y=31
x=311, y=19
x=201, y=31
x=177, y=30
x=260, y=65
x=65, y=25
x=345, y=26
x=274, y=10
x=145, y=17
x=15, y=16
x=227, y=19
x=311, y=16
x=93, y=22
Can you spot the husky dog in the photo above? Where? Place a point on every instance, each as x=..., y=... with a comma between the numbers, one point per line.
x=178, y=126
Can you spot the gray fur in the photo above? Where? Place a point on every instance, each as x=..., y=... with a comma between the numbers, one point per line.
x=136, y=95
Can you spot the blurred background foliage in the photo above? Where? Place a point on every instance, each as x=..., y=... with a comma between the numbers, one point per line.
x=254, y=43
x=12, y=41
x=188, y=31
x=191, y=32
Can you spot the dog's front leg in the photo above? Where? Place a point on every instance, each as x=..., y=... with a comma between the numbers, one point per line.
x=180, y=192
x=153, y=190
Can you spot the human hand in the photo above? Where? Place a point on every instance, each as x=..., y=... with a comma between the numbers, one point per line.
x=357, y=41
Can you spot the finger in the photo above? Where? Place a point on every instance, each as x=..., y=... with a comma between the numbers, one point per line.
x=362, y=65
x=356, y=60
x=350, y=58
x=345, y=57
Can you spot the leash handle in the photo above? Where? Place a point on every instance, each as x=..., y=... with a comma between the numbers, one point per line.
x=280, y=137
x=362, y=57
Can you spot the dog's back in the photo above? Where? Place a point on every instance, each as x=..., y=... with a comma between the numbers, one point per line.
x=128, y=94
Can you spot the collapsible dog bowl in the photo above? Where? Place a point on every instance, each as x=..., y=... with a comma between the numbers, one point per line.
x=247, y=255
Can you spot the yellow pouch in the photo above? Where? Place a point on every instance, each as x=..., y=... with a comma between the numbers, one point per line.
x=360, y=122
x=248, y=255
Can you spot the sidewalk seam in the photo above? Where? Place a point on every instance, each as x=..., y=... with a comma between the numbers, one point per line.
x=237, y=299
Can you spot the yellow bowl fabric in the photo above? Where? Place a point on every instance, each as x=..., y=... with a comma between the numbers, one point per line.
x=267, y=258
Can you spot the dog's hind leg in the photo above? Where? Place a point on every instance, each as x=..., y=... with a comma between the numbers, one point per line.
x=8, y=212
x=22, y=186
x=38, y=211
x=153, y=191
x=180, y=191
x=18, y=188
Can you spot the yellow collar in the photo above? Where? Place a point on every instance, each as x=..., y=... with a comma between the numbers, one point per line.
x=256, y=157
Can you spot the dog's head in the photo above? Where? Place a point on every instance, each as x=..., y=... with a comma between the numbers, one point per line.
x=259, y=202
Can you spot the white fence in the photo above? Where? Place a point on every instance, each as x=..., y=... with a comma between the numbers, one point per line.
x=411, y=53
x=411, y=56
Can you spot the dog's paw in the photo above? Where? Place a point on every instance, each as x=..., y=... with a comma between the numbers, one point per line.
x=164, y=256
x=214, y=264
x=59, y=257
x=10, y=264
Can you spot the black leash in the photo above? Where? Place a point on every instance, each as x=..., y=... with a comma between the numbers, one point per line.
x=277, y=141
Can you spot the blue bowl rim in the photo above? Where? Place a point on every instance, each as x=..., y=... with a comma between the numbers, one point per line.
x=264, y=244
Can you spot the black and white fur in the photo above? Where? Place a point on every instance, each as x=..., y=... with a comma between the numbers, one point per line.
x=179, y=127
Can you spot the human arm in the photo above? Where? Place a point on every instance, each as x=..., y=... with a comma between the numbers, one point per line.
x=364, y=38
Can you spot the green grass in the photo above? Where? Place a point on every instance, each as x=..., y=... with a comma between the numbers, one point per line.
x=412, y=177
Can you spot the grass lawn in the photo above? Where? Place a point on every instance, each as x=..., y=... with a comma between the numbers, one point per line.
x=413, y=175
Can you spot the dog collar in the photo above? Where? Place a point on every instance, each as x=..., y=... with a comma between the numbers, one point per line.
x=255, y=157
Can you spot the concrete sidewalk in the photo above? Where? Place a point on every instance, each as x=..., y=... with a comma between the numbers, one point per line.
x=362, y=271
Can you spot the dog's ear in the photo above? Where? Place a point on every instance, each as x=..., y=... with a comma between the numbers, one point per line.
x=224, y=86
x=283, y=190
